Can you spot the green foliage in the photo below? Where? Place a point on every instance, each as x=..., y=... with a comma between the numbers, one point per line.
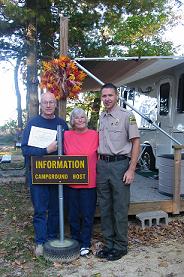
x=96, y=28
x=11, y=126
x=143, y=47
x=138, y=29
x=90, y=102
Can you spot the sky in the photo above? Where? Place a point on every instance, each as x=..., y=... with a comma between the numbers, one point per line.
x=7, y=91
x=8, y=99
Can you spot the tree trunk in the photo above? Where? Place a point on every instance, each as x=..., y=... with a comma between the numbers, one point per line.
x=18, y=95
x=32, y=80
x=63, y=51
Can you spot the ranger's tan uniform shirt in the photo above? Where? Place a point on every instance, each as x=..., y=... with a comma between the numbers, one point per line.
x=115, y=131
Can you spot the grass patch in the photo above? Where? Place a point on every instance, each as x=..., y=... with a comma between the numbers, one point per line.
x=7, y=139
x=17, y=235
x=10, y=150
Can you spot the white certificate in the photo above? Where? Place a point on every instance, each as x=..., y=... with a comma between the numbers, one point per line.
x=41, y=137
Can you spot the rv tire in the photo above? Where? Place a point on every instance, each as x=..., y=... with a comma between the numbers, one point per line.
x=148, y=158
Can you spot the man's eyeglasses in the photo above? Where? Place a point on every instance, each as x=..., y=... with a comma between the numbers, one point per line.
x=50, y=103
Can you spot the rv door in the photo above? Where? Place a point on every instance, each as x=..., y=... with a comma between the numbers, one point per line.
x=164, y=116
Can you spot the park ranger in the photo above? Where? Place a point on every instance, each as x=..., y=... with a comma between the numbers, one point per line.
x=119, y=147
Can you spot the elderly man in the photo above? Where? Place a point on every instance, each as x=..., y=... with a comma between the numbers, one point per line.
x=44, y=197
x=118, y=153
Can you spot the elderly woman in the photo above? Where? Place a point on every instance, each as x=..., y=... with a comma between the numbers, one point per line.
x=82, y=198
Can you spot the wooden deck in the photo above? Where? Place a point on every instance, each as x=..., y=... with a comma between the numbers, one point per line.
x=145, y=196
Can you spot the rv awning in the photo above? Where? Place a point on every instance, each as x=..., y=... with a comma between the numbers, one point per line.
x=123, y=71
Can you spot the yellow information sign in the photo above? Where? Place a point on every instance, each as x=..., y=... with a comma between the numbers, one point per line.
x=53, y=169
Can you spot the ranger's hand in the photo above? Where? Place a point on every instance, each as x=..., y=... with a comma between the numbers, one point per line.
x=128, y=176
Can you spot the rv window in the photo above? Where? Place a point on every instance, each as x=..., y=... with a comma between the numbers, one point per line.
x=164, y=99
x=180, y=100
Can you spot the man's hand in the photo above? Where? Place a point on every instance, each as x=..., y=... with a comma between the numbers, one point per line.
x=130, y=173
x=52, y=147
x=128, y=176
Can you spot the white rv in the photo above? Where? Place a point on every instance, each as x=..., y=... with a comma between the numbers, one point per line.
x=155, y=86
x=162, y=84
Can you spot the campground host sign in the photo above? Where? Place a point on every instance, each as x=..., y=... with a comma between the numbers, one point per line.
x=59, y=170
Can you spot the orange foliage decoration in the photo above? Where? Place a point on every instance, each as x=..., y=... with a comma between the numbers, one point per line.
x=62, y=77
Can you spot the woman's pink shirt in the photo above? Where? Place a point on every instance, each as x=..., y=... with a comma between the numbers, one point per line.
x=83, y=144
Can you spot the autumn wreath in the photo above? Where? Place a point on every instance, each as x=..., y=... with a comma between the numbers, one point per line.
x=62, y=77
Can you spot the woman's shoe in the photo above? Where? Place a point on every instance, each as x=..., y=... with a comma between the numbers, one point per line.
x=84, y=251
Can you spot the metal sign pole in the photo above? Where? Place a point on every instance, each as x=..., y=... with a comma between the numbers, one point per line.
x=61, y=213
x=61, y=249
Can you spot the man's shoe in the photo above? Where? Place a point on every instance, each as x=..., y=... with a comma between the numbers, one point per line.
x=39, y=250
x=103, y=253
x=116, y=254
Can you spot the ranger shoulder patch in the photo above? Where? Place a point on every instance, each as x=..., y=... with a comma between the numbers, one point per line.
x=132, y=120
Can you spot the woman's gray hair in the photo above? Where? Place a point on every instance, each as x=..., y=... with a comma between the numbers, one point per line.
x=77, y=112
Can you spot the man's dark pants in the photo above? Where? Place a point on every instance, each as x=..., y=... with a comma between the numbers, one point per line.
x=114, y=199
x=46, y=211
